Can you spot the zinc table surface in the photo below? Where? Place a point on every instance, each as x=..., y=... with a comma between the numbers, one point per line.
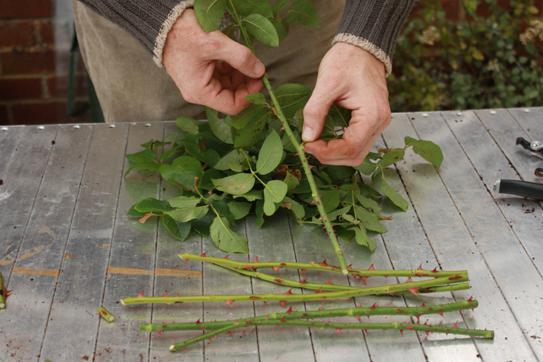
x=67, y=246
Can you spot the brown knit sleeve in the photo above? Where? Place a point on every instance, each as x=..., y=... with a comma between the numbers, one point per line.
x=149, y=21
x=373, y=25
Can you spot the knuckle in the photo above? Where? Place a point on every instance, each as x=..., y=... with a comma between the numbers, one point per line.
x=211, y=45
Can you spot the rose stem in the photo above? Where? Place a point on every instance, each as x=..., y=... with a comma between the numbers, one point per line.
x=325, y=313
x=481, y=333
x=380, y=290
x=323, y=267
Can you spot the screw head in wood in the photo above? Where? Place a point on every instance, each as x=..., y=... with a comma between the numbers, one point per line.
x=492, y=112
x=4, y=129
x=77, y=126
x=112, y=126
x=526, y=110
x=41, y=127
x=147, y=124
x=425, y=114
x=458, y=113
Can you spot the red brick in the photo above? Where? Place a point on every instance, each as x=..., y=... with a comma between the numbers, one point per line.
x=27, y=62
x=47, y=32
x=20, y=88
x=43, y=112
x=4, y=115
x=16, y=33
x=26, y=9
x=58, y=86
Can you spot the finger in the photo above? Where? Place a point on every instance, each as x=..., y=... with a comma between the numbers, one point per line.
x=316, y=110
x=225, y=100
x=240, y=57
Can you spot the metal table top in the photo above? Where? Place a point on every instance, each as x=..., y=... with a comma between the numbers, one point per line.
x=66, y=247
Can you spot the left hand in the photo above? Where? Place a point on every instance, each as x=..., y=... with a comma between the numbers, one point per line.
x=354, y=79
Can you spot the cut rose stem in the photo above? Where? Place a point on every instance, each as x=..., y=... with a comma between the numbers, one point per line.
x=479, y=333
x=324, y=267
x=325, y=313
x=412, y=287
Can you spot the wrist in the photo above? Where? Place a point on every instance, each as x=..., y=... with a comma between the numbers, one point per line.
x=367, y=47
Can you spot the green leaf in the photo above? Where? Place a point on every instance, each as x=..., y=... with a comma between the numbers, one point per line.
x=292, y=97
x=368, y=203
x=180, y=202
x=332, y=215
x=219, y=127
x=206, y=182
x=184, y=170
x=248, y=7
x=251, y=196
x=238, y=184
x=369, y=220
x=201, y=226
x=369, y=165
x=225, y=238
x=188, y=213
x=330, y=199
x=259, y=213
x=256, y=98
x=233, y=160
x=178, y=230
x=209, y=13
x=380, y=184
x=270, y=155
x=142, y=161
x=392, y=156
x=294, y=206
x=187, y=124
x=239, y=209
x=291, y=181
x=152, y=205
x=132, y=212
x=340, y=174
x=363, y=239
x=274, y=193
x=427, y=150
x=303, y=12
x=249, y=126
x=261, y=29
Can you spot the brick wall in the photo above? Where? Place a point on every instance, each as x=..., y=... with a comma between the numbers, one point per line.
x=34, y=63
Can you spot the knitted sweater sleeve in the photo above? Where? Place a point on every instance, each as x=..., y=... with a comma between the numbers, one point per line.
x=374, y=25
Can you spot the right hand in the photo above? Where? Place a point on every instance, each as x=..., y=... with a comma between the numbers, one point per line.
x=209, y=68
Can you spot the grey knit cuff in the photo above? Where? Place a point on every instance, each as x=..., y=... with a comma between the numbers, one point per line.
x=160, y=40
x=374, y=25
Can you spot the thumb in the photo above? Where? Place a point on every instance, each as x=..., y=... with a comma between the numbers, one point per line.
x=240, y=57
x=316, y=110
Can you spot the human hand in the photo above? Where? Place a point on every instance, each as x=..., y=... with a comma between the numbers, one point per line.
x=209, y=68
x=354, y=79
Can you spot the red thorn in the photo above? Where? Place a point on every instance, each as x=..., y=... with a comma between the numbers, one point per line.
x=226, y=257
x=414, y=291
x=371, y=267
x=229, y=333
x=229, y=302
x=338, y=330
x=283, y=303
x=257, y=259
x=410, y=327
x=455, y=325
x=282, y=265
x=423, y=304
x=470, y=299
x=276, y=268
x=318, y=291
x=323, y=263
x=401, y=332
x=303, y=281
x=288, y=292
x=289, y=310
x=364, y=280
x=254, y=297
x=358, y=318
x=278, y=280
x=328, y=281
x=373, y=306
x=159, y=333
x=197, y=321
x=434, y=270
x=141, y=293
x=203, y=254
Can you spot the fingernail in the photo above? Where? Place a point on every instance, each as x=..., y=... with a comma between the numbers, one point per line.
x=259, y=68
x=308, y=134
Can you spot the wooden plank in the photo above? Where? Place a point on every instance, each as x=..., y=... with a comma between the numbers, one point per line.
x=407, y=247
x=42, y=249
x=312, y=244
x=453, y=244
x=133, y=246
x=243, y=344
x=23, y=175
x=530, y=120
x=8, y=141
x=166, y=257
x=273, y=243
x=72, y=328
x=523, y=216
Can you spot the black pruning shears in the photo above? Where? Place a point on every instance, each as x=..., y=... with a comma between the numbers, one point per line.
x=532, y=190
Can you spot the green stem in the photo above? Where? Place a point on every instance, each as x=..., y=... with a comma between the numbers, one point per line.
x=380, y=290
x=326, y=313
x=324, y=267
x=480, y=333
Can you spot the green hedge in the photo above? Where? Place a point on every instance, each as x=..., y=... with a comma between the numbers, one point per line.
x=491, y=57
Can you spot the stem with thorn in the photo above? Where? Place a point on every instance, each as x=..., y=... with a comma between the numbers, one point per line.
x=412, y=287
x=323, y=267
x=479, y=333
x=325, y=313
x=278, y=111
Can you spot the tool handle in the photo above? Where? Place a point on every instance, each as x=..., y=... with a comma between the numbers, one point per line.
x=521, y=188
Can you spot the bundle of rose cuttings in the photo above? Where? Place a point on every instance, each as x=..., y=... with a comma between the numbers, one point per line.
x=417, y=282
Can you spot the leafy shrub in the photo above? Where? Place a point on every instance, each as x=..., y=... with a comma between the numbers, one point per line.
x=492, y=56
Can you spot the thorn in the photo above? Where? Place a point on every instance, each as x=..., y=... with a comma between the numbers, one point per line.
x=227, y=257
x=373, y=306
x=197, y=321
x=203, y=254
x=159, y=333
x=434, y=270
x=414, y=291
x=409, y=327
x=303, y=281
x=229, y=302
x=329, y=281
x=441, y=313
x=276, y=269
x=229, y=333
x=470, y=299
x=418, y=319
x=456, y=325
x=282, y=265
x=401, y=332
x=283, y=303
x=288, y=292
x=338, y=330
x=423, y=304
x=141, y=293
x=289, y=310
x=323, y=263
x=371, y=267
x=358, y=318
x=257, y=259
x=278, y=280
